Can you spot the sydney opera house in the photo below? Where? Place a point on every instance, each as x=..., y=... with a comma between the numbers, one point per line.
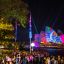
x=49, y=36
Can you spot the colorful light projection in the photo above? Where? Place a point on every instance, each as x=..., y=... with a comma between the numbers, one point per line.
x=48, y=36
x=42, y=37
x=51, y=35
x=62, y=38
x=36, y=44
x=37, y=37
x=58, y=39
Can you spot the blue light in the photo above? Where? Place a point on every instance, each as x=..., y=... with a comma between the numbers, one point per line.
x=30, y=34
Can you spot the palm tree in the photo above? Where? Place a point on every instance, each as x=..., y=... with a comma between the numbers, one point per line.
x=16, y=9
x=13, y=11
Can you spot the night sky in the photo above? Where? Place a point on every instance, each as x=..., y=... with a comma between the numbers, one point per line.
x=46, y=13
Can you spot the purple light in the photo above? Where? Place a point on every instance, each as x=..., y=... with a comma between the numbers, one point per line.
x=30, y=19
x=62, y=38
x=36, y=44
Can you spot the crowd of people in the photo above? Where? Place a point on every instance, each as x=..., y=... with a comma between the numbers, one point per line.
x=33, y=58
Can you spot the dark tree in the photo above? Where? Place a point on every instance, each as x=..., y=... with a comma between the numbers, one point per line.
x=14, y=9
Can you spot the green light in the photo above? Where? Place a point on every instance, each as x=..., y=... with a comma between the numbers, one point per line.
x=51, y=19
x=59, y=19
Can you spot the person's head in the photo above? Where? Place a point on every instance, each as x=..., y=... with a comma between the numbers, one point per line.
x=58, y=57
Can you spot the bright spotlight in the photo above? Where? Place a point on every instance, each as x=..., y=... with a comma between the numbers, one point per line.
x=32, y=44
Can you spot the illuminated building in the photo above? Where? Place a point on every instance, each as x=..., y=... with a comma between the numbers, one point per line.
x=49, y=36
x=43, y=37
x=62, y=38
x=37, y=37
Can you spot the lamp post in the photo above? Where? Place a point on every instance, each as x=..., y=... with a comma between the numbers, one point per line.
x=32, y=45
x=30, y=31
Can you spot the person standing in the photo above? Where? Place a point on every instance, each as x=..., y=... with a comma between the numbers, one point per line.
x=62, y=60
x=48, y=61
x=55, y=61
x=59, y=60
x=18, y=59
